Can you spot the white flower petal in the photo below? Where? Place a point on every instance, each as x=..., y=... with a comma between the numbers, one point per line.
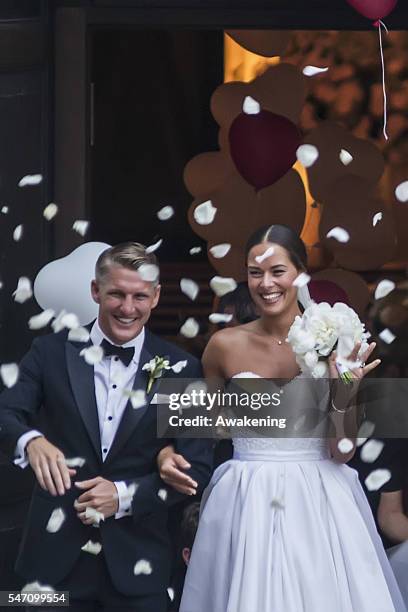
x=195, y=250
x=204, y=213
x=93, y=548
x=70, y=321
x=371, y=451
x=149, y=272
x=37, y=587
x=18, y=233
x=79, y=334
x=142, y=567
x=93, y=514
x=23, y=291
x=30, y=179
x=218, y=317
x=401, y=192
x=377, y=479
x=377, y=217
x=222, y=285
x=307, y=155
x=251, y=106
x=56, y=520
x=93, y=354
x=345, y=446
x=75, y=462
x=268, y=253
x=383, y=288
x=179, y=366
x=50, y=211
x=162, y=493
x=387, y=336
x=9, y=374
x=153, y=247
x=5, y=210
x=170, y=593
x=301, y=280
x=41, y=320
x=56, y=325
x=220, y=250
x=189, y=288
x=80, y=226
x=165, y=213
x=345, y=157
x=366, y=431
x=137, y=398
x=190, y=328
x=339, y=234
x=310, y=71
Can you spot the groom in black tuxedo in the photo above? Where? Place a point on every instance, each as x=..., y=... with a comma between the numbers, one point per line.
x=94, y=452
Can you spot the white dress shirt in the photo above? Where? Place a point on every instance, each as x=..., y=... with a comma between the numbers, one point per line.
x=112, y=379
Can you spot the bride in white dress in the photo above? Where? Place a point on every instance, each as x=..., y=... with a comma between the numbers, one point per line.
x=285, y=525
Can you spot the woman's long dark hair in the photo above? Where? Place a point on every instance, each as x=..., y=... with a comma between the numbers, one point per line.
x=285, y=237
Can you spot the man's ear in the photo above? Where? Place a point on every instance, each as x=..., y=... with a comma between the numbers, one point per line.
x=95, y=291
x=156, y=296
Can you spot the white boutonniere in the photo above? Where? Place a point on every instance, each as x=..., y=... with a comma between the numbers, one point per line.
x=155, y=367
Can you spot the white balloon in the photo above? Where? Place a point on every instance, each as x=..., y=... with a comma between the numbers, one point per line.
x=65, y=284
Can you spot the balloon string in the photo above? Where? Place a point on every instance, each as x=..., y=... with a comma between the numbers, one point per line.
x=381, y=23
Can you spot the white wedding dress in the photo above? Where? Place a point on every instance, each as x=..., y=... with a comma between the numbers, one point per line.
x=284, y=528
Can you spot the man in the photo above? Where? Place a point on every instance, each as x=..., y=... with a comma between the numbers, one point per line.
x=87, y=417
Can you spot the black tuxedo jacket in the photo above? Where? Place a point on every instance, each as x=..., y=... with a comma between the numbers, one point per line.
x=57, y=385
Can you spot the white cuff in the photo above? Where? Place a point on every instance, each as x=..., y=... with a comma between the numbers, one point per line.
x=125, y=504
x=20, y=452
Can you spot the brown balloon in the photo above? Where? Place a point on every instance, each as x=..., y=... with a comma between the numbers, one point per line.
x=330, y=138
x=207, y=172
x=267, y=43
x=232, y=265
x=353, y=285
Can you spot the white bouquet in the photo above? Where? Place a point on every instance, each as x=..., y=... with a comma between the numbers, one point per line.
x=320, y=330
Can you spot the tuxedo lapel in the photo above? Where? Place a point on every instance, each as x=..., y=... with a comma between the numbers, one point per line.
x=83, y=386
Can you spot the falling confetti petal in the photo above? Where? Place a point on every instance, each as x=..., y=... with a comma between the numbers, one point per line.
x=23, y=291
x=57, y=325
x=371, y=451
x=30, y=179
x=366, y=431
x=41, y=320
x=278, y=504
x=310, y=71
x=339, y=234
x=149, y=272
x=79, y=334
x=165, y=213
x=204, y=213
x=70, y=321
x=5, y=210
x=162, y=493
x=377, y=479
x=195, y=250
x=92, y=354
x=50, y=211
x=383, y=288
x=301, y=280
x=218, y=317
x=345, y=157
x=36, y=587
x=268, y=253
x=251, y=106
x=222, y=285
x=345, y=446
x=93, y=548
x=401, y=192
x=75, y=462
x=220, y=250
x=387, y=336
x=142, y=567
x=170, y=593
x=93, y=514
x=137, y=398
x=190, y=328
x=9, y=374
x=18, y=233
x=81, y=227
x=189, y=288
x=307, y=155
x=179, y=366
x=56, y=520
x=377, y=217
x=153, y=247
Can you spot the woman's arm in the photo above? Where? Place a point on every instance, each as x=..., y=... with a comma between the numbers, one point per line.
x=392, y=520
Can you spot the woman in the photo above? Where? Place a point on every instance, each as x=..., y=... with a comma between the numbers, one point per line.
x=285, y=525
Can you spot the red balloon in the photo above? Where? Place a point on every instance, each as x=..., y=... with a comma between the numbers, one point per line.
x=374, y=9
x=263, y=147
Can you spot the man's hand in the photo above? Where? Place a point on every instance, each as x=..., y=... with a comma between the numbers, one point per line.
x=48, y=464
x=100, y=494
x=171, y=466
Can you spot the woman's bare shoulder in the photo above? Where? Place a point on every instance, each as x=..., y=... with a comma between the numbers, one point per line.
x=224, y=337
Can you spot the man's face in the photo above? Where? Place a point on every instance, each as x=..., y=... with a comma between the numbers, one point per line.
x=125, y=303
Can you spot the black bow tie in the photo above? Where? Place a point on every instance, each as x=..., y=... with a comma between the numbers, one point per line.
x=124, y=354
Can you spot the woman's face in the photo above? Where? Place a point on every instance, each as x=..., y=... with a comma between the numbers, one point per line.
x=270, y=279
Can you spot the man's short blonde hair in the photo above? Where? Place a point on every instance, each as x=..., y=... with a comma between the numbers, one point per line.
x=130, y=255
